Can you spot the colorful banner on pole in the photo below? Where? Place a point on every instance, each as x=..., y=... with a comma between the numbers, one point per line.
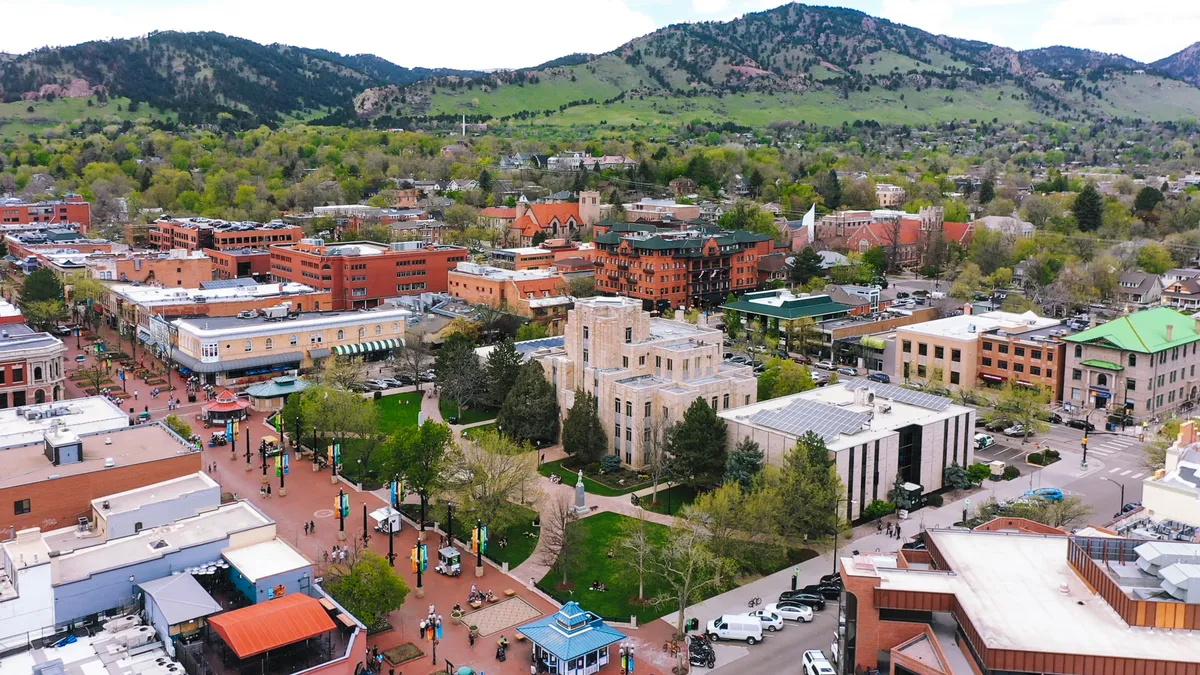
x=282, y=464
x=484, y=538
x=236, y=430
x=342, y=503
x=229, y=430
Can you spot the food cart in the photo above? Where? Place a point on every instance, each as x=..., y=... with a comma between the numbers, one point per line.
x=386, y=520
x=449, y=562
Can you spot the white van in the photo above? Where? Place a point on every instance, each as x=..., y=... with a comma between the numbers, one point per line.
x=815, y=663
x=735, y=627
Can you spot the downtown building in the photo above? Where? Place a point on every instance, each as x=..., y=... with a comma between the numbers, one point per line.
x=71, y=210
x=643, y=371
x=196, y=234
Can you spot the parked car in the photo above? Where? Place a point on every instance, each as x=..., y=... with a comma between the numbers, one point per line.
x=358, y=387
x=62, y=330
x=835, y=578
x=998, y=425
x=740, y=359
x=428, y=376
x=803, y=360
x=1049, y=494
x=1081, y=424
x=728, y=356
x=770, y=620
x=984, y=441
x=1130, y=506
x=1015, y=430
x=980, y=422
x=815, y=663
x=852, y=372
x=820, y=379
x=881, y=378
x=381, y=383
x=827, y=591
x=792, y=611
x=802, y=598
x=901, y=295
x=827, y=365
x=1055, y=418
x=735, y=627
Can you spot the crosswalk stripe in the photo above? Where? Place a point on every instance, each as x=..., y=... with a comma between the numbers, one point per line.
x=1114, y=469
x=1126, y=472
x=1137, y=475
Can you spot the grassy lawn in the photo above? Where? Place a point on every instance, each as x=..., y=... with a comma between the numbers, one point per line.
x=520, y=545
x=676, y=498
x=595, y=487
x=469, y=415
x=483, y=428
x=397, y=411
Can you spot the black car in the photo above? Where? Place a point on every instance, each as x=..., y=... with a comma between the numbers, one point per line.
x=827, y=591
x=1081, y=424
x=1055, y=418
x=901, y=295
x=802, y=598
x=835, y=578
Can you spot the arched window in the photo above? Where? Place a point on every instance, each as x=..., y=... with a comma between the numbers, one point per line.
x=341, y=335
x=362, y=333
x=37, y=374
x=378, y=329
x=395, y=328
x=1133, y=360
x=292, y=341
x=248, y=345
x=1078, y=351
x=1102, y=380
x=270, y=344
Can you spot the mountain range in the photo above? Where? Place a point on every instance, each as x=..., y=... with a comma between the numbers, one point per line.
x=796, y=62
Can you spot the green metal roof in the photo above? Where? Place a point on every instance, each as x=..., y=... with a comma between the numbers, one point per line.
x=1144, y=332
x=1106, y=365
x=816, y=306
x=364, y=347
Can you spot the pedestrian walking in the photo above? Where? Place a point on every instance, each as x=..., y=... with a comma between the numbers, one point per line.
x=306, y=529
x=312, y=526
x=135, y=394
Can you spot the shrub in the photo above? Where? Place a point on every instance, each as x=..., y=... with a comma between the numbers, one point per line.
x=935, y=500
x=610, y=464
x=1052, y=455
x=175, y=423
x=378, y=395
x=1036, y=459
x=1010, y=472
x=877, y=509
x=979, y=472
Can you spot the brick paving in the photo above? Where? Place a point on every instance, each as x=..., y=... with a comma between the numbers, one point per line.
x=501, y=616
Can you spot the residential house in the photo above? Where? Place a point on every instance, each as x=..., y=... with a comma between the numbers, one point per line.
x=1139, y=288
x=1015, y=228
x=682, y=187
x=1183, y=295
x=889, y=196
x=773, y=267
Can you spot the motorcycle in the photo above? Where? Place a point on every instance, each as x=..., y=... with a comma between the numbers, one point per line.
x=500, y=654
x=700, y=653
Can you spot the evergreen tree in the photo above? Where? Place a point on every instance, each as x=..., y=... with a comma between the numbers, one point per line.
x=831, y=190
x=530, y=412
x=460, y=376
x=697, y=446
x=987, y=191
x=485, y=182
x=1088, y=209
x=503, y=364
x=745, y=463
x=1147, y=200
x=898, y=496
x=40, y=285
x=583, y=434
x=807, y=264
x=810, y=489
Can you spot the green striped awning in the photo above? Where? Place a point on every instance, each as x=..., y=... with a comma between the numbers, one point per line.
x=364, y=347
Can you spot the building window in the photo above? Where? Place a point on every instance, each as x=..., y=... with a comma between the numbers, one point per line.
x=1079, y=351
x=208, y=350
x=21, y=507
x=292, y=341
x=921, y=371
x=642, y=360
x=907, y=346
x=725, y=402
x=922, y=349
x=1076, y=374
x=1019, y=367
x=395, y=328
x=617, y=405
x=1003, y=348
x=1133, y=360
x=986, y=361
x=341, y=336
x=585, y=356
x=316, y=338
x=1018, y=351
x=1002, y=365
x=956, y=355
x=646, y=410
x=658, y=362
x=670, y=365
x=714, y=403
x=954, y=377
x=37, y=374
x=270, y=344
x=628, y=335
x=1101, y=380
x=248, y=345
x=1035, y=370
x=939, y=352
x=747, y=400
x=378, y=329
x=987, y=346
x=362, y=333
x=585, y=332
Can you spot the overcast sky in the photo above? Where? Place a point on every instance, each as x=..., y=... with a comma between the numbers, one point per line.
x=485, y=34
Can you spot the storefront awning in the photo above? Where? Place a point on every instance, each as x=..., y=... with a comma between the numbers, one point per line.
x=1106, y=365
x=991, y=378
x=365, y=347
x=872, y=342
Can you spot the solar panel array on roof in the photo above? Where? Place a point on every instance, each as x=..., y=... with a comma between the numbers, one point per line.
x=801, y=416
x=902, y=395
x=227, y=283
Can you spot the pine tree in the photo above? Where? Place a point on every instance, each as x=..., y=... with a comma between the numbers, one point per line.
x=698, y=447
x=832, y=191
x=807, y=264
x=485, y=182
x=1088, y=209
x=503, y=364
x=530, y=411
x=745, y=463
x=987, y=192
x=811, y=488
x=41, y=284
x=583, y=434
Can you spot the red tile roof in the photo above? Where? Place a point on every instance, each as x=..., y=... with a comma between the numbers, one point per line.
x=544, y=213
x=957, y=232
x=505, y=212
x=272, y=624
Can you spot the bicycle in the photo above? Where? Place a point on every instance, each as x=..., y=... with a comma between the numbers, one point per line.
x=755, y=602
x=672, y=647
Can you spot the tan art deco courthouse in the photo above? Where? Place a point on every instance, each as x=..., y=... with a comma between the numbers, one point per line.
x=644, y=372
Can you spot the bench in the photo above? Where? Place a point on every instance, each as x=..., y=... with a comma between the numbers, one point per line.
x=508, y=592
x=476, y=605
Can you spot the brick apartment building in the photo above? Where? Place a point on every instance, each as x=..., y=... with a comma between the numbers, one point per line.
x=1015, y=596
x=360, y=274
x=240, y=263
x=685, y=268
x=539, y=294
x=1029, y=355
x=195, y=234
x=178, y=267
x=72, y=209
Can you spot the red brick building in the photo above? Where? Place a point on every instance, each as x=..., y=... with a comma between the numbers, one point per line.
x=195, y=234
x=240, y=263
x=70, y=210
x=669, y=268
x=360, y=274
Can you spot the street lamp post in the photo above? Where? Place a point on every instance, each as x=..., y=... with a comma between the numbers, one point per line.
x=450, y=522
x=478, y=547
x=626, y=652
x=366, y=536
x=1087, y=426
x=433, y=624
x=836, y=527
x=341, y=515
x=1121, y=506
x=418, y=563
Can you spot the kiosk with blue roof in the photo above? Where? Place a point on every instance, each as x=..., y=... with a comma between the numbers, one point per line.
x=572, y=641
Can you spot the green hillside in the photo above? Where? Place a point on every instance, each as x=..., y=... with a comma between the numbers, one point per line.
x=16, y=118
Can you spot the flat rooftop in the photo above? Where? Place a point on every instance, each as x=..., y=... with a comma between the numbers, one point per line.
x=159, y=295
x=227, y=325
x=81, y=415
x=670, y=329
x=131, y=500
x=501, y=274
x=14, y=344
x=215, y=525
x=1008, y=585
x=265, y=559
x=130, y=445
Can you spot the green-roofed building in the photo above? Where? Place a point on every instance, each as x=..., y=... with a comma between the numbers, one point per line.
x=1143, y=363
x=777, y=309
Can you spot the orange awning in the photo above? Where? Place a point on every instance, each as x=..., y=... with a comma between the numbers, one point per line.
x=272, y=624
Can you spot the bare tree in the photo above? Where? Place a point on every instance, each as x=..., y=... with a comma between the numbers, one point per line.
x=687, y=567
x=561, y=543
x=657, y=461
x=639, y=547
x=413, y=360
x=489, y=472
x=892, y=244
x=92, y=377
x=340, y=371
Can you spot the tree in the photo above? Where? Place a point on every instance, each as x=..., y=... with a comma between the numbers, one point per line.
x=340, y=371
x=955, y=477
x=745, y=463
x=459, y=374
x=719, y=513
x=583, y=434
x=44, y=315
x=368, y=588
x=1021, y=405
x=502, y=366
x=748, y=216
x=640, y=547
x=968, y=282
x=860, y=194
x=1068, y=513
x=802, y=334
x=530, y=410
x=810, y=489
x=991, y=250
x=831, y=190
x=531, y=331
x=421, y=454
x=1147, y=200
x=489, y=472
x=898, y=496
x=1155, y=258
x=485, y=182
x=460, y=216
x=581, y=287
x=688, y=568
x=656, y=455
x=698, y=446
x=561, y=543
x=806, y=265
x=732, y=319
x=41, y=284
x=987, y=191
x=876, y=259
x=87, y=293
x=92, y=378
x=1088, y=209
x=413, y=359
x=1039, y=210
x=978, y=472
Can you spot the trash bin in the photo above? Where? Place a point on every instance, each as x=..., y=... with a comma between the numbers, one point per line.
x=1110, y=427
